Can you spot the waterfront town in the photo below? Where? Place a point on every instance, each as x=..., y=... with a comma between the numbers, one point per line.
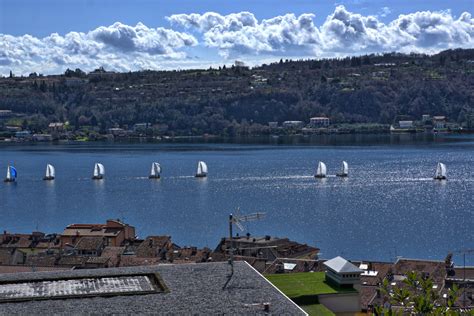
x=13, y=130
x=300, y=281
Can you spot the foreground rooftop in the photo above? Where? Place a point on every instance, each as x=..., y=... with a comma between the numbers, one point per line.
x=179, y=289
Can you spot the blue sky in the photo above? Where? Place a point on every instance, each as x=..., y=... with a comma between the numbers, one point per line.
x=41, y=18
x=88, y=34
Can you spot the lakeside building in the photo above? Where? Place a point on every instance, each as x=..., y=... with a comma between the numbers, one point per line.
x=5, y=113
x=319, y=122
x=163, y=289
x=114, y=232
x=266, y=247
x=405, y=124
x=439, y=122
x=293, y=124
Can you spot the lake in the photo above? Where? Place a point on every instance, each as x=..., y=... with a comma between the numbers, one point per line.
x=389, y=206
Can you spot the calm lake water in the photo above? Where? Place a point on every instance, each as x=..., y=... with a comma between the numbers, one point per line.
x=388, y=207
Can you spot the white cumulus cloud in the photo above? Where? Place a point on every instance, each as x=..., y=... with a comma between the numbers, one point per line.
x=124, y=47
x=117, y=47
x=241, y=33
x=343, y=32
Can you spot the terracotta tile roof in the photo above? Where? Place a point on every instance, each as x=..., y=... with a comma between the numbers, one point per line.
x=90, y=243
x=24, y=268
x=16, y=241
x=113, y=254
x=132, y=260
x=154, y=246
x=72, y=261
x=41, y=260
x=5, y=256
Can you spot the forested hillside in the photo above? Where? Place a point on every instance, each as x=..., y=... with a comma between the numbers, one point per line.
x=375, y=88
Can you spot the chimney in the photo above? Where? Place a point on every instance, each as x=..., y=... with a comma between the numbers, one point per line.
x=266, y=307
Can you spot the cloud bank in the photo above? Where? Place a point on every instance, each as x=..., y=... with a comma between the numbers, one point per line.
x=119, y=47
x=123, y=47
x=343, y=32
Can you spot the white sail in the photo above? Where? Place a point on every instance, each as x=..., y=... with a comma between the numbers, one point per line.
x=155, y=169
x=96, y=170
x=321, y=171
x=101, y=169
x=202, y=168
x=345, y=168
x=9, y=175
x=440, y=170
x=50, y=171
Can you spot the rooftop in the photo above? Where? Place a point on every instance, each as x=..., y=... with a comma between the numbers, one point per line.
x=341, y=265
x=189, y=289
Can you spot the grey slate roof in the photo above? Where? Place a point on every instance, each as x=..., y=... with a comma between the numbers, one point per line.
x=193, y=289
x=341, y=265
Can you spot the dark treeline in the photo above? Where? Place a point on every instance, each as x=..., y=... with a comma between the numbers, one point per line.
x=238, y=100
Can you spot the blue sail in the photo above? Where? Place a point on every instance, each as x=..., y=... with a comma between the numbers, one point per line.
x=13, y=172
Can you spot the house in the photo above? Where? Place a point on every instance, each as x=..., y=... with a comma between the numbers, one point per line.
x=23, y=134
x=342, y=273
x=319, y=122
x=426, y=119
x=140, y=127
x=42, y=137
x=116, y=131
x=163, y=289
x=405, y=124
x=154, y=246
x=90, y=246
x=273, y=124
x=293, y=124
x=267, y=247
x=5, y=113
x=114, y=231
x=439, y=122
x=56, y=127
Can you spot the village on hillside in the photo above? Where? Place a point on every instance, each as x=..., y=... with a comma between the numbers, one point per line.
x=319, y=286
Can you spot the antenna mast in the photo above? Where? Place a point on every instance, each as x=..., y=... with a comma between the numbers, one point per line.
x=237, y=220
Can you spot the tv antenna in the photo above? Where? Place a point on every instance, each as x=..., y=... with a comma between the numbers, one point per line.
x=464, y=252
x=237, y=220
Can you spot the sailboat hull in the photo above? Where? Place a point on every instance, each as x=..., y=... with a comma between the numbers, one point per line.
x=342, y=175
x=440, y=178
x=154, y=177
x=201, y=175
x=97, y=177
x=9, y=180
x=320, y=176
x=48, y=178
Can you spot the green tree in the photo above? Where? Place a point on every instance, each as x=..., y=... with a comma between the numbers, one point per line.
x=416, y=296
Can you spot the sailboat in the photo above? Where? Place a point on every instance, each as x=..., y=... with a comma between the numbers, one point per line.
x=440, y=172
x=50, y=172
x=155, y=171
x=201, y=170
x=344, y=171
x=11, y=174
x=99, y=171
x=321, y=171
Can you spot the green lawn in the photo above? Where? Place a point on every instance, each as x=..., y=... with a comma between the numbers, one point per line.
x=305, y=283
x=317, y=310
x=304, y=288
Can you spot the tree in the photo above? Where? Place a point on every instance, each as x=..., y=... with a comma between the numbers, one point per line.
x=416, y=296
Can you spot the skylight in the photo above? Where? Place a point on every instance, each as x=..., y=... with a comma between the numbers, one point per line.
x=80, y=287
